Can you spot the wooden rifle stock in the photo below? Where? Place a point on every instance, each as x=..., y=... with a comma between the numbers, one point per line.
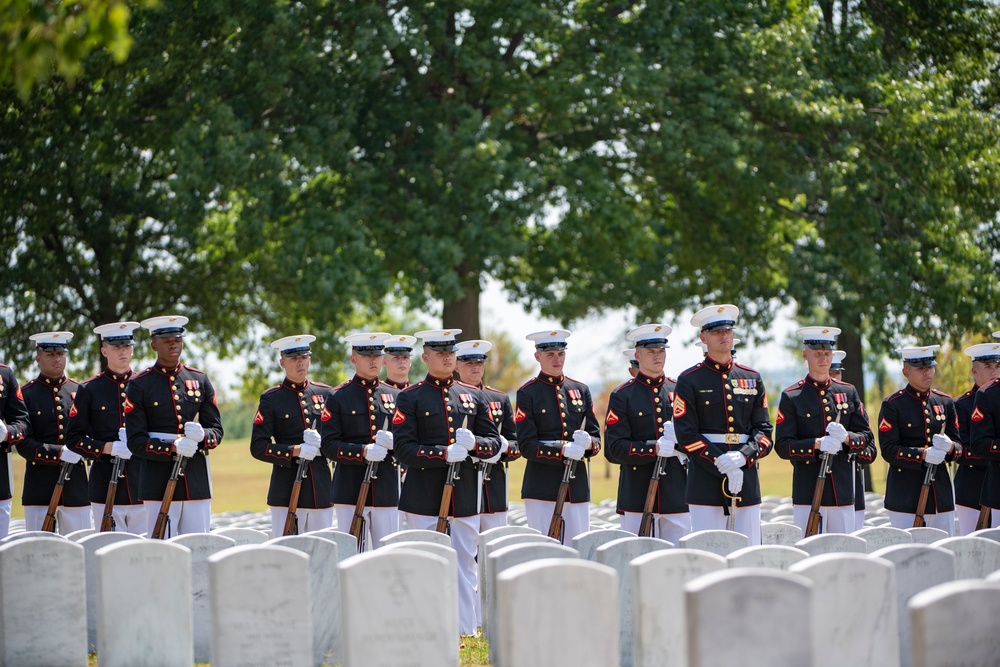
x=929, y=471
x=358, y=520
x=646, y=523
x=985, y=517
x=49, y=524
x=108, y=519
x=291, y=518
x=557, y=524
x=814, y=526
x=448, y=491
x=163, y=518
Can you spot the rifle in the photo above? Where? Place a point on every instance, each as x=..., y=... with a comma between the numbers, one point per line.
x=985, y=517
x=731, y=510
x=49, y=523
x=557, y=525
x=108, y=520
x=163, y=518
x=447, y=492
x=814, y=525
x=646, y=523
x=358, y=520
x=291, y=518
x=929, y=471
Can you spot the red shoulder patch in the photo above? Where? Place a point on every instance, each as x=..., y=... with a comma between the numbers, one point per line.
x=780, y=417
x=398, y=417
x=215, y=399
x=19, y=394
x=129, y=407
x=258, y=418
x=72, y=410
x=326, y=416
x=884, y=425
x=680, y=407
x=977, y=415
x=764, y=404
x=520, y=416
x=612, y=418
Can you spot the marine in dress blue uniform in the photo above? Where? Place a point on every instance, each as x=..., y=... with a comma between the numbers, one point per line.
x=639, y=435
x=985, y=435
x=439, y=422
x=171, y=410
x=13, y=428
x=398, y=360
x=556, y=423
x=285, y=434
x=96, y=427
x=918, y=426
x=820, y=415
x=356, y=435
x=722, y=424
x=971, y=472
x=49, y=400
x=471, y=357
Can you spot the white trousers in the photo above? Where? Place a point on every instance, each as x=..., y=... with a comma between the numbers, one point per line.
x=309, y=520
x=68, y=519
x=493, y=520
x=128, y=518
x=379, y=522
x=712, y=517
x=669, y=527
x=942, y=520
x=186, y=516
x=4, y=517
x=465, y=542
x=967, y=519
x=575, y=515
x=839, y=519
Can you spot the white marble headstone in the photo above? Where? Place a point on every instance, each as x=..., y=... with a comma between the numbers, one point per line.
x=988, y=534
x=416, y=535
x=502, y=531
x=879, y=537
x=720, y=542
x=975, y=557
x=347, y=544
x=499, y=542
x=832, y=543
x=918, y=567
x=42, y=588
x=775, y=556
x=855, y=620
x=23, y=535
x=324, y=586
x=448, y=553
x=143, y=604
x=617, y=554
x=747, y=599
x=556, y=613
x=780, y=533
x=201, y=545
x=400, y=609
x=926, y=535
x=78, y=535
x=586, y=543
x=260, y=602
x=955, y=625
x=243, y=535
x=659, y=625
x=91, y=543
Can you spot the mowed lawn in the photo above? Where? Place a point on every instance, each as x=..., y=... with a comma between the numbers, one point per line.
x=240, y=481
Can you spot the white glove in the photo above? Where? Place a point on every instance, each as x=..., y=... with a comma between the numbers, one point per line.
x=830, y=444
x=186, y=446
x=122, y=435
x=375, y=453
x=666, y=447
x=456, y=453
x=307, y=450
x=735, y=482
x=384, y=439
x=668, y=432
x=583, y=439
x=934, y=456
x=573, y=450
x=493, y=459
x=69, y=456
x=730, y=461
x=121, y=450
x=465, y=439
x=3, y=431
x=194, y=431
x=311, y=437
x=504, y=445
x=837, y=430
x=942, y=442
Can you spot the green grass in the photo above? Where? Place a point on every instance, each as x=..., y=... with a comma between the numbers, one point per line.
x=240, y=481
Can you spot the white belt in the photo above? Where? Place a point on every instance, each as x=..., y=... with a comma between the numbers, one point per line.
x=553, y=442
x=726, y=438
x=165, y=436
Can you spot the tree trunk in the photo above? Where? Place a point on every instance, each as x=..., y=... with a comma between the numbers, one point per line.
x=463, y=313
